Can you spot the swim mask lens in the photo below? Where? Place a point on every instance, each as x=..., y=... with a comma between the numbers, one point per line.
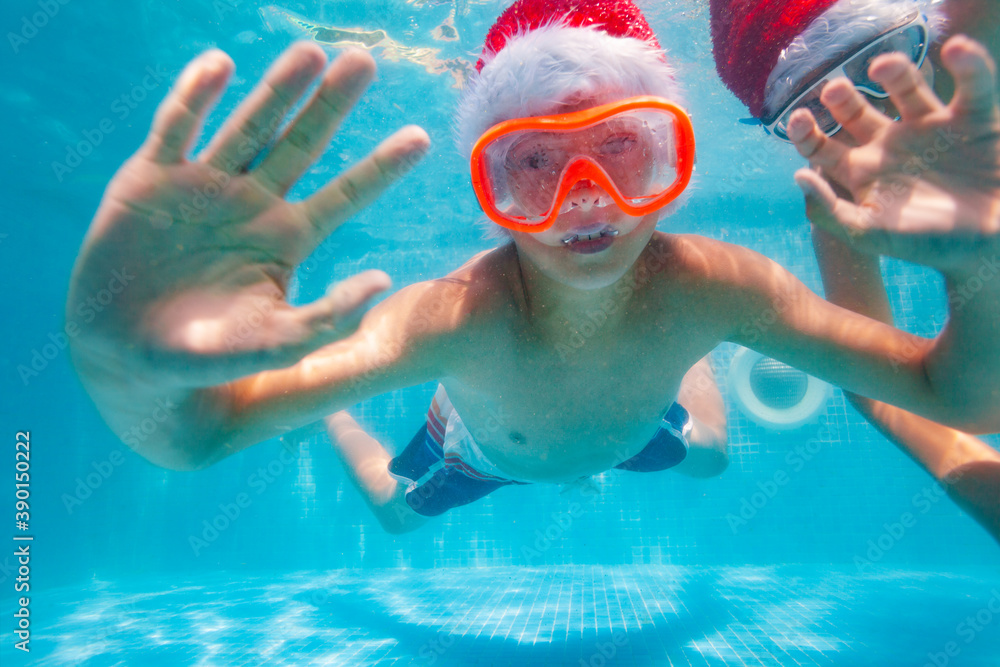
x=909, y=37
x=636, y=153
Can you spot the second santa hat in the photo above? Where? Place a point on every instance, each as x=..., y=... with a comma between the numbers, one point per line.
x=749, y=36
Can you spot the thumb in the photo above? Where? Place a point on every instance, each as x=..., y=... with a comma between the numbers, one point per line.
x=341, y=310
x=826, y=210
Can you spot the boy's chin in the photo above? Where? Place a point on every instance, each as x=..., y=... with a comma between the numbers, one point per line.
x=594, y=264
x=592, y=282
x=587, y=278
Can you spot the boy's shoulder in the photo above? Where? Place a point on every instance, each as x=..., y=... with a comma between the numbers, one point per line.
x=473, y=293
x=699, y=256
x=719, y=268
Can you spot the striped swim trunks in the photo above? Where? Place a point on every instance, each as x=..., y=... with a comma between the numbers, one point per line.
x=443, y=467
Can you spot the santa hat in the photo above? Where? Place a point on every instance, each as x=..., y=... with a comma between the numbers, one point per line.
x=541, y=54
x=765, y=48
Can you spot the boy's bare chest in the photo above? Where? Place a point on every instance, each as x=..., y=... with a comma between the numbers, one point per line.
x=558, y=407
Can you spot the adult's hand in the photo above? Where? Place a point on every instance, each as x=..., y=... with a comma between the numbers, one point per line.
x=925, y=188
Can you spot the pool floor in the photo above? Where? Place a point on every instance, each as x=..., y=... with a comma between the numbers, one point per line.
x=580, y=615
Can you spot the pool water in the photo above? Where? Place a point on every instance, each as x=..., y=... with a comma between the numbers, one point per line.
x=617, y=615
x=271, y=558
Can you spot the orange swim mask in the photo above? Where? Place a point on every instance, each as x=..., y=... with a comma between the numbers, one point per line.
x=639, y=150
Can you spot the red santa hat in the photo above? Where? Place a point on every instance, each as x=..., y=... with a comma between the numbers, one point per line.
x=764, y=48
x=541, y=54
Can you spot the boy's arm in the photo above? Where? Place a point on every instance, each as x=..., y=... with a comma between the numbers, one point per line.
x=777, y=315
x=410, y=338
x=395, y=346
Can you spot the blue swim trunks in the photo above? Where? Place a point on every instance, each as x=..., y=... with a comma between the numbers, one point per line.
x=444, y=468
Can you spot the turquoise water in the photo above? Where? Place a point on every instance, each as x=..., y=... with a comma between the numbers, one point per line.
x=134, y=565
x=580, y=615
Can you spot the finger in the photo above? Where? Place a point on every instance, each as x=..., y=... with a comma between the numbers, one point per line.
x=259, y=116
x=308, y=136
x=974, y=72
x=850, y=108
x=339, y=313
x=814, y=145
x=834, y=214
x=365, y=181
x=181, y=114
x=906, y=86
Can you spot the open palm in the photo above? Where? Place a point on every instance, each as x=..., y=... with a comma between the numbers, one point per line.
x=207, y=246
x=925, y=188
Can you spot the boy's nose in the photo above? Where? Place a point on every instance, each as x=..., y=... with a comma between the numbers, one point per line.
x=584, y=195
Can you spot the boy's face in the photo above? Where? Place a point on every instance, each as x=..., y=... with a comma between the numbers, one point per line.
x=592, y=242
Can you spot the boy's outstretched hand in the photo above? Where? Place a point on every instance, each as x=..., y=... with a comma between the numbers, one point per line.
x=925, y=188
x=206, y=246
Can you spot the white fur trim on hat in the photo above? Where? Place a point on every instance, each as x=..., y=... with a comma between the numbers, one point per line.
x=539, y=70
x=841, y=28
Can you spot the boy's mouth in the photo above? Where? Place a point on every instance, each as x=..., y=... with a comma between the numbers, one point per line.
x=589, y=243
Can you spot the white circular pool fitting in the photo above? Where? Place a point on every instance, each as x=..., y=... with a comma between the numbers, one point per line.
x=774, y=394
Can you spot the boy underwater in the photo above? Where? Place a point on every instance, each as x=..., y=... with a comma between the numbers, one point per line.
x=580, y=192
x=810, y=43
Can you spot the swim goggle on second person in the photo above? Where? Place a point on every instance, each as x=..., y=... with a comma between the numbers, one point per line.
x=909, y=36
x=640, y=151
